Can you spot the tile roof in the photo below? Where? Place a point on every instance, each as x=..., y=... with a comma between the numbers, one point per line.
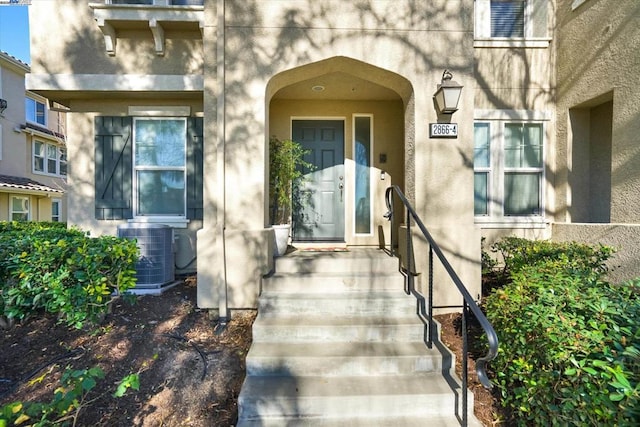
x=20, y=183
x=42, y=129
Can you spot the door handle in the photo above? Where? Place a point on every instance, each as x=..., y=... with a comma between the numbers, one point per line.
x=341, y=186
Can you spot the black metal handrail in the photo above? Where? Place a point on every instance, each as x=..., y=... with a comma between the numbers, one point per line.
x=468, y=304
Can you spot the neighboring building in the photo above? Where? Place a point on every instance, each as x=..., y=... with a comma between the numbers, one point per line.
x=33, y=164
x=172, y=104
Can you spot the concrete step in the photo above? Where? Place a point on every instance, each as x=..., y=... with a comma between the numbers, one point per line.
x=338, y=329
x=337, y=342
x=355, y=261
x=346, y=397
x=401, y=421
x=346, y=304
x=332, y=282
x=346, y=359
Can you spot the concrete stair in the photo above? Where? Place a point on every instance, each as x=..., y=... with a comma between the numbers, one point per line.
x=338, y=343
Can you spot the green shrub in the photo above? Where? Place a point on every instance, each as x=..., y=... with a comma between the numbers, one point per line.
x=61, y=271
x=579, y=258
x=569, y=342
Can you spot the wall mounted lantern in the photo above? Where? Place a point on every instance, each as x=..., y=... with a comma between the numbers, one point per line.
x=3, y=105
x=448, y=94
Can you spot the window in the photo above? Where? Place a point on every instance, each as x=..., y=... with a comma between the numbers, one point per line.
x=507, y=18
x=19, y=208
x=35, y=111
x=363, y=149
x=508, y=170
x=56, y=210
x=114, y=170
x=510, y=23
x=49, y=159
x=160, y=167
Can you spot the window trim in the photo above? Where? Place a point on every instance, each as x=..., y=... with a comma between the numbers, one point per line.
x=12, y=212
x=58, y=202
x=164, y=219
x=497, y=120
x=371, y=177
x=45, y=158
x=482, y=29
x=45, y=111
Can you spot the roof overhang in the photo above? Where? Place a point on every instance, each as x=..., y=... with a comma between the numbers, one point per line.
x=20, y=185
x=63, y=88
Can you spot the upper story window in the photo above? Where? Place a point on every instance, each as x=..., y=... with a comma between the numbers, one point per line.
x=49, y=159
x=511, y=23
x=35, y=111
x=160, y=166
x=507, y=18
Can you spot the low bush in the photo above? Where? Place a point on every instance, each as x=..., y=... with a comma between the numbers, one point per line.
x=569, y=341
x=518, y=253
x=44, y=266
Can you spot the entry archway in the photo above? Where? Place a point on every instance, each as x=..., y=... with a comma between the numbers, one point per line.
x=376, y=108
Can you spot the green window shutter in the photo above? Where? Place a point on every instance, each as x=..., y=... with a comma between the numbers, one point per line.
x=113, y=168
x=195, y=142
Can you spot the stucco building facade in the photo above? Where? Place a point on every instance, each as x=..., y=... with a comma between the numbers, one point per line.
x=172, y=104
x=33, y=165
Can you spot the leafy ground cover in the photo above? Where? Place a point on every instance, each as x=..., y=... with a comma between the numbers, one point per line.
x=189, y=375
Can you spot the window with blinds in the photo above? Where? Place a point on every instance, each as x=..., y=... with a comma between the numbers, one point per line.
x=508, y=18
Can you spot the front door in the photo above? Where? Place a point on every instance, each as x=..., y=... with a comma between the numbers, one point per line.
x=319, y=215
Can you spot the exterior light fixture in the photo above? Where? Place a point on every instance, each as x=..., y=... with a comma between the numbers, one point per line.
x=3, y=105
x=448, y=94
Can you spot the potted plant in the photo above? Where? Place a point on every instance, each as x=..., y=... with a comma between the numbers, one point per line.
x=286, y=165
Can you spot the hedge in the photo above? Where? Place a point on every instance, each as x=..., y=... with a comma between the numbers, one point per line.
x=569, y=341
x=47, y=267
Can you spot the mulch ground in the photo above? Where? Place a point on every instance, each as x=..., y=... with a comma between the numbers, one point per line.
x=190, y=374
x=190, y=371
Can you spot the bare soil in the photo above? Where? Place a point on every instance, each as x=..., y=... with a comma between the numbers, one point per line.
x=486, y=407
x=190, y=369
x=190, y=374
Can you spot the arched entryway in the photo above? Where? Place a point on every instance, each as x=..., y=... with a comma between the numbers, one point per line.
x=356, y=120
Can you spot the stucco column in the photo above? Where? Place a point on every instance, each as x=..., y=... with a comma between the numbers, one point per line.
x=211, y=259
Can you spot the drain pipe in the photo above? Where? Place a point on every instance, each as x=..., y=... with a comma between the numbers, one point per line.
x=220, y=168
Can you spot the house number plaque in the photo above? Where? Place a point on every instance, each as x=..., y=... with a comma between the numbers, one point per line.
x=443, y=130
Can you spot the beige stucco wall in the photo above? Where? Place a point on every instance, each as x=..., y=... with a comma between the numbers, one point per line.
x=16, y=148
x=262, y=40
x=598, y=110
x=14, y=151
x=624, y=238
x=259, y=47
x=39, y=205
x=79, y=46
x=589, y=73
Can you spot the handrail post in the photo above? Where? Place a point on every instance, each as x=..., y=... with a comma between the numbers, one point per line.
x=430, y=306
x=408, y=255
x=465, y=355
